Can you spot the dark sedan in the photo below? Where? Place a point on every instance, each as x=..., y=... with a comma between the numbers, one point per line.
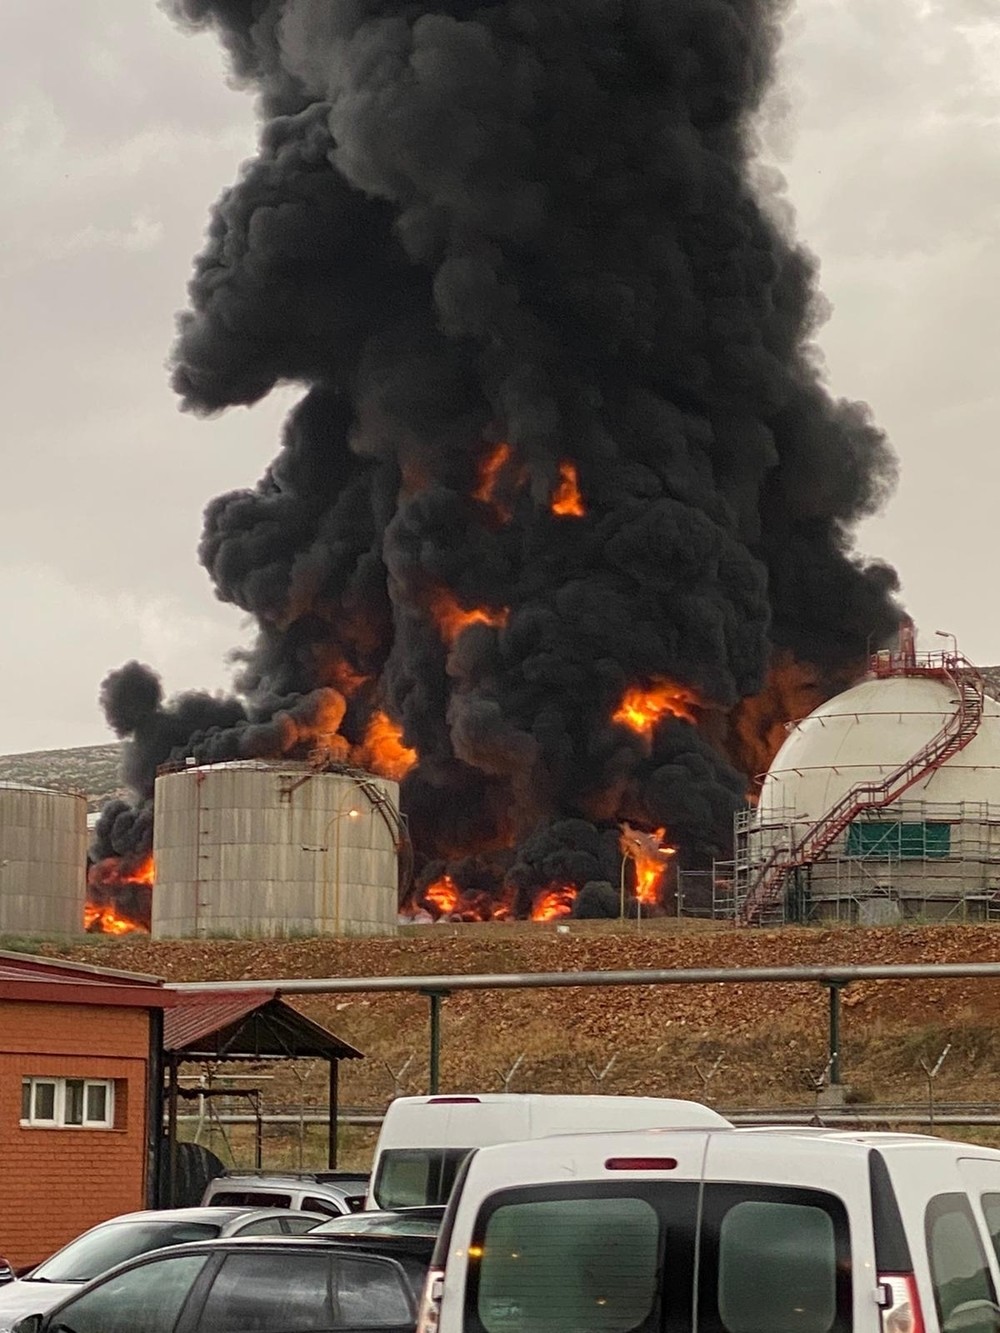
x=289, y=1285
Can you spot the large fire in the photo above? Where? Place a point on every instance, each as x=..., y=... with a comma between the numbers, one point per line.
x=651, y=858
x=119, y=896
x=451, y=618
x=554, y=902
x=567, y=502
x=383, y=750
x=643, y=707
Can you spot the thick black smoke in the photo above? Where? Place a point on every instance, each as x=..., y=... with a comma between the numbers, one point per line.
x=531, y=222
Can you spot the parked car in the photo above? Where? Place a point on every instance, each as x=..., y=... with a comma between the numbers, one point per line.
x=815, y=1231
x=381, y=1222
x=268, y=1286
x=424, y=1140
x=112, y=1242
x=332, y=1193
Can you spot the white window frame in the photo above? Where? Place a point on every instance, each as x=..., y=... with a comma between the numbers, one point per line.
x=58, y=1120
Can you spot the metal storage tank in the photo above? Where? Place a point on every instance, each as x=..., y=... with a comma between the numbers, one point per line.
x=274, y=849
x=43, y=860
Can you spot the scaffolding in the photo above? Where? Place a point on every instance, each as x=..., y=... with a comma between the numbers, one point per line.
x=913, y=860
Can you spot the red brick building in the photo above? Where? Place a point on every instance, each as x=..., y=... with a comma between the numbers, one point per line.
x=80, y=1074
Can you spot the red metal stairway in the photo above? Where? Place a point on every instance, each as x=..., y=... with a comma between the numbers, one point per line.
x=768, y=886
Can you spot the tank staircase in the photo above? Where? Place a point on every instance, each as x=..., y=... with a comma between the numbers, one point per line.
x=764, y=900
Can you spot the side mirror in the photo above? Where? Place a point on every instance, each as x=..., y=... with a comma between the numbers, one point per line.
x=31, y=1323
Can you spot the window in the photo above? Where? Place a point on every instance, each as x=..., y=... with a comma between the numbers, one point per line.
x=149, y=1297
x=991, y=1211
x=895, y=840
x=249, y=1199
x=286, y=1290
x=601, y=1256
x=774, y=1259
x=76, y=1102
x=113, y=1243
x=959, y=1272
x=324, y=1206
x=412, y=1177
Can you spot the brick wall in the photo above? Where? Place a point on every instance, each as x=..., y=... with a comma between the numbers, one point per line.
x=54, y=1183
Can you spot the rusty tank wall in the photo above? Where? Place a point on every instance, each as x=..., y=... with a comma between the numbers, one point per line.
x=274, y=850
x=43, y=860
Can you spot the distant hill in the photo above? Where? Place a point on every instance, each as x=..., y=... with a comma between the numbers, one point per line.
x=88, y=768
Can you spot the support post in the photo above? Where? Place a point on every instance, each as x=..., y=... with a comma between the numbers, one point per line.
x=334, y=1115
x=435, y=997
x=154, y=1109
x=834, y=1051
x=172, y=1134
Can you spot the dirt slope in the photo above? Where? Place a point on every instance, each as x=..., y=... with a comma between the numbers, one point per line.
x=738, y=1044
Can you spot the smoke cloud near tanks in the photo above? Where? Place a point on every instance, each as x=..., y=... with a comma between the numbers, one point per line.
x=559, y=371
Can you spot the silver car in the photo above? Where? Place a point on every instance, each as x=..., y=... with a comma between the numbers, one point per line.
x=130, y=1235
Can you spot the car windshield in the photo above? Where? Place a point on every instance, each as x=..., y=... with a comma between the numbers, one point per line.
x=379, y=1224
x=96, y=1251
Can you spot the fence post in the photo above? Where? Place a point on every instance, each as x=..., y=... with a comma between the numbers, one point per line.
x=834, y=1048
x=435, y=997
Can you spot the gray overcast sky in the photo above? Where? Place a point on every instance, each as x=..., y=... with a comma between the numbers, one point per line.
x=117, y=132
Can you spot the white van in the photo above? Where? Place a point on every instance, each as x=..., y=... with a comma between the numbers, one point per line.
x=424, y=1140
x=721, y=1231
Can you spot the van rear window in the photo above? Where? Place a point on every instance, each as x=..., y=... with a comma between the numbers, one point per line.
x=413, y=1177
x=610, y=1257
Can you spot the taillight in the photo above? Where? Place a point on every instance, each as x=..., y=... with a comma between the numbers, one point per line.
x=640, y=1164
x=429, y=1317
x=900, y=1304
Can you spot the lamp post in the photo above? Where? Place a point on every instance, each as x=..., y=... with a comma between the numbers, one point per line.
x=945, y=634
x=333, y=823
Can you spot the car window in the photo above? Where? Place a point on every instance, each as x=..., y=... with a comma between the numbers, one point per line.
x=324, y=1206
x=959, y=1273
x=150, y=1297
x=250, y=1199
x=256, y=1292
x=991, y=1211
x=106, y=1246
x=567, y=1264
x=260, y=1226
x=297, y=1224
x=411, y=1177
x=369, y=1294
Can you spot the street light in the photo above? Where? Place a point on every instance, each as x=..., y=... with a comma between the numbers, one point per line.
x=944, y=634
x=334, y=823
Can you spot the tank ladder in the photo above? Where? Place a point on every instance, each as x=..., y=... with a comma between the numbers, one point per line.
x=765, y=895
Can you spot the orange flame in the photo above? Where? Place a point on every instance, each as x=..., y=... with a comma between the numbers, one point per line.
x=452, y=619
x=651, y=858
x=383, y=749
x=106, y=921
x=555, y=901
x=567, y=501
x=643, y=708
x=114, y=870
x=489, y=472
x=444, y=895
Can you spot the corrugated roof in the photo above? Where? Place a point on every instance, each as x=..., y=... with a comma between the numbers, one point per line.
x=31, y=967
x=243, y=1025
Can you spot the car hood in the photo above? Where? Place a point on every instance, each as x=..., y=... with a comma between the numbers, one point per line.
x=20, y=1298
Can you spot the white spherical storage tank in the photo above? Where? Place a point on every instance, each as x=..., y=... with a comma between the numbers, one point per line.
x=43, y=860
x=931, y=850
x=274, y=849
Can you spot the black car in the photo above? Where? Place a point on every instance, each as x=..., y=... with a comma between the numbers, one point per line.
x=260, y=1285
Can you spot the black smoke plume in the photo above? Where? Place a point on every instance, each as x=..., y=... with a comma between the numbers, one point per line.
x=528, y=224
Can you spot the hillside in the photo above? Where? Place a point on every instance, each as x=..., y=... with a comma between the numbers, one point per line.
x=742, y=1044
x=88, y=768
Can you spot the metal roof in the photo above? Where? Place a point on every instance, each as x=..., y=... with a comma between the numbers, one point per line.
x=57, y=980
x=245, y=1025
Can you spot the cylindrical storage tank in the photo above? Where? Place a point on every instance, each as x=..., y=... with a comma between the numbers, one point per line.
x=274, y=849
x=43, y=860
